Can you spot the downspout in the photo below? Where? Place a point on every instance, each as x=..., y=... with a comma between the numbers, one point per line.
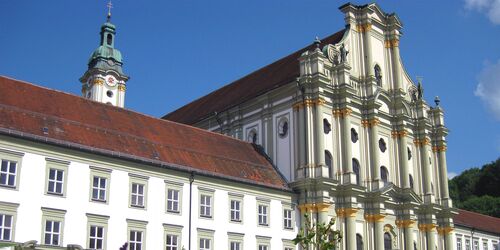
x=191, y=180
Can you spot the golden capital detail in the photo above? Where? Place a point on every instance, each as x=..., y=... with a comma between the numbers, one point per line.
x=405, y=223
x=346, y=212
x=122, y=87
x=342, y=112
x=399, y=133
x=392, y=43
x=309, y=103
x=98, y=81
x=444, y=230
x=427, y=227
x=314, y=207
x=370, y=122
x=363, y=27
x=441, y=148
x=422, y=142
x=374, y=217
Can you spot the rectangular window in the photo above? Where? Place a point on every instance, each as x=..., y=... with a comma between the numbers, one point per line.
x=10, y=167
x=56, y=181
x=8, y=173
x=172, y=242
x=263, y=214
x=485, y=245
x=6, y=227
x=99, y=188
x=97, y=230
x=467, y=244
x=235, y=210
x=205, y=244
x=234, y=245
x=96, y=237
x=287, y=218
x=263, y=247
x=52, y=233
x=459, y=244
x=135, y=240
x=137, y=195
x=173, y=200
x=100, y=180
x=476, y=245
x=206, y=206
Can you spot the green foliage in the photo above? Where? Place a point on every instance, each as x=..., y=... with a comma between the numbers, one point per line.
x=478, y=189
x=320, y=236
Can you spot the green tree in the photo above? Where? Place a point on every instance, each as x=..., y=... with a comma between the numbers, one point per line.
x=485, y=204
x=320, y=236
x=489, y=179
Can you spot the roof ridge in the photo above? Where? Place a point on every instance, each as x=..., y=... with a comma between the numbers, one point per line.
x=485, y=215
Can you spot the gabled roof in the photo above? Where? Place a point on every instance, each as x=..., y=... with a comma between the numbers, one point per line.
x=477, y=221
x=257, y=83
x=48, y=116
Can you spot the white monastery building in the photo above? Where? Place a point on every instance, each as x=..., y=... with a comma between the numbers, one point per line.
x=337, y=129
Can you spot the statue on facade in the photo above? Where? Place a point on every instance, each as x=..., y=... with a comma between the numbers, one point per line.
x=343, y=53
x=420, y=91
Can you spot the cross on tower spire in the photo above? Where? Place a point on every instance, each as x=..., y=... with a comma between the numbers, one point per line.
x=109, y=5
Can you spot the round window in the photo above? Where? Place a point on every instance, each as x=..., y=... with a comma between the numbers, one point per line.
x=109, y=93
x=283, y=128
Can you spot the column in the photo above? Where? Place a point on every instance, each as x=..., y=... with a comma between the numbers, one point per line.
x=378, y=231
x=426, y=168
x=350, y=234
x=374, y=153
x=407, y=226
x=443, y=171
x=323, y=209
x=430, y=235
x=365, y=29
x=403, y=159
x=346, y=145
x=301, y=142
x=394, y=45
x=320, y=139
x=448, y=238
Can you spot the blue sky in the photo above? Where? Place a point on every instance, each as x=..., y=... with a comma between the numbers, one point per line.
x=177, y=51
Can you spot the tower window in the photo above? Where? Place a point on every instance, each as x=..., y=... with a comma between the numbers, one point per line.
x=355, y=169
x=354, y=135
x=409, y=153
x=109, y=39
x=378, y=75
x=109, y=93
x=283, y=128
x=384, y=175
x=329, y=163
x=382, y=145
x=327, y=127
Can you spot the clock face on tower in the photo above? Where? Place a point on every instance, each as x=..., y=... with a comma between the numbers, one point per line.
x=110, y=81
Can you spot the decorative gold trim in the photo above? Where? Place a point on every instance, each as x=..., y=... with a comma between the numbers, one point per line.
x=441, y=148
x=444, y=230
x=346, y=212
x=405, y=223
x=392, y=43
x=341, y=112
x=422, y=142
x=98, y=81
x=427, y=227
x=308, y=103
x=399, y=134
x=122, y=87
x=370, y=122
x=361, y=28
x=374, y=217
x=314, y=207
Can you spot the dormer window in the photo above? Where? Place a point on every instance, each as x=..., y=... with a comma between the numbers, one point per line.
x=109, y=39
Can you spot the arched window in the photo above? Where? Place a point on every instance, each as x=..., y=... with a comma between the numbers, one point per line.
x=355, y=169
x=378, y=75
x=252, y=136
x=283, y=128
x=384, y=175
x=411, y=181
x=415, y=245
x=387, y=241
x=327, y=127
x=359, y=242
x=329, y=163
x=354, y=135
x=109, y=39
x=409, y=153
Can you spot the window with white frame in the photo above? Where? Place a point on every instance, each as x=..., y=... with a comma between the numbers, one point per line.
x=53, y=223
x=263, y=214
x=235, y=241
x=235, y=210
x=206, y=202
x=56, y=176
x=485, y=245
x=288, y=245
x=234, y=245
x=10, y=165
x=476, y=245
x=459, y=243
x=287, y=218
x=8, y=212
x=96, y=231
x=172, y=236
x=467, y=244
x=205, y=244
x=263, y=247
x=135, y=240
x=99, y=184
x=136, y=234
x=206, y=239
x=173, y=200
x=138, y=190
x=263, y=242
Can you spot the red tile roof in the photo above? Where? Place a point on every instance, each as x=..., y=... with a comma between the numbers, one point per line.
x=478, y=221
x=75, y=122
x=257, y=83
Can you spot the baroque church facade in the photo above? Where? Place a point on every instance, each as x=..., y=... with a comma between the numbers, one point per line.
x=337, y=129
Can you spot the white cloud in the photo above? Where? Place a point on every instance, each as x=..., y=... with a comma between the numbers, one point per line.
x=451, y=175
x=488, y=87
x=490, y=7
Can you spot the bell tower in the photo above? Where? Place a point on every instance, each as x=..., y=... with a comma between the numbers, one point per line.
x=104, y=80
